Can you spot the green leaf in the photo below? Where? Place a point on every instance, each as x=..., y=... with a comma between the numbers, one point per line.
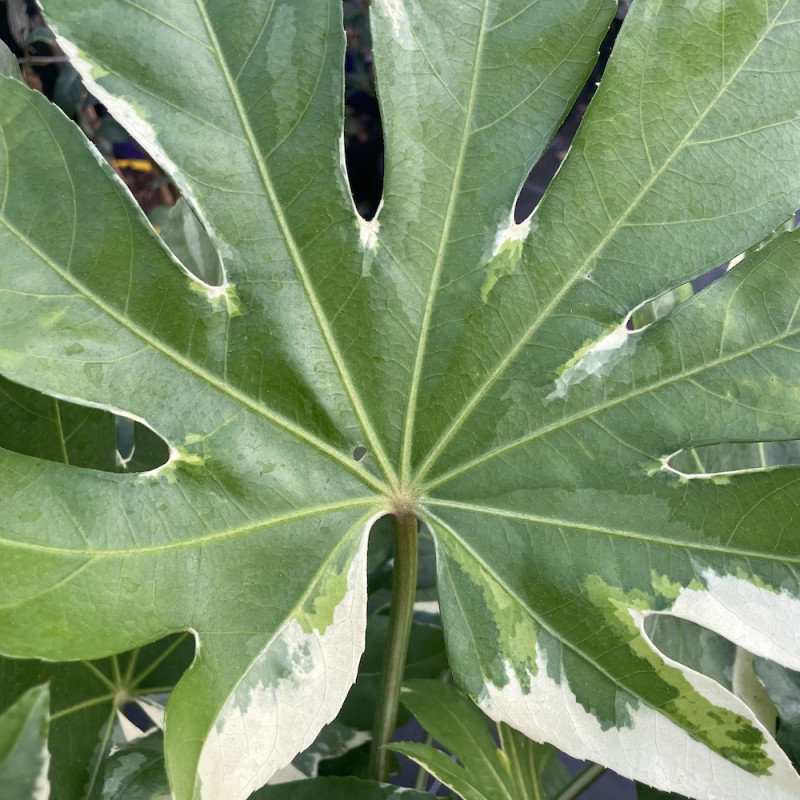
x=136, y=771
x=9, y=66
x=335, y=788
x=187, y=239
x=453, y=721
x=86, y=700
x=484, y=366
x=58, y=430
x=24, y=757
x=426, y=659
x=513, y=771
x=783, y=687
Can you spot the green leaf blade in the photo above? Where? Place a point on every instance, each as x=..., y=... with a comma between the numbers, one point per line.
x=24, y=757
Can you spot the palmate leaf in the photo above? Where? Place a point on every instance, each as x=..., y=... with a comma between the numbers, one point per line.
x=485, y=367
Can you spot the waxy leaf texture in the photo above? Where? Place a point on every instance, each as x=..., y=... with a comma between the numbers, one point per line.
x=486, y=366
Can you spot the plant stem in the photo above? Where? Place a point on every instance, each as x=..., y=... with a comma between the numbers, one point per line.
x=404, y=588
x=582, y=781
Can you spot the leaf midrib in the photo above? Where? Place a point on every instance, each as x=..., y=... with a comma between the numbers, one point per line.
x=374, y=442
x=374, y=504
x=444, y=240
x=460, y=419
x=618, y=533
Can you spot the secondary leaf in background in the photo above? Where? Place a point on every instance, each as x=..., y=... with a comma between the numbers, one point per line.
x=335, y=788
x=483, y=366
x=136, y=771
x=58, y=430
x=24, y=757
x=86, y=699
x=426, y=659
x=9, y=65
x=783, y=687
x=514, y=771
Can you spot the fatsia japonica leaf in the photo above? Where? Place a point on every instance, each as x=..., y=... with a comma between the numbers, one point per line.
x=485, y=367
x=24, y=757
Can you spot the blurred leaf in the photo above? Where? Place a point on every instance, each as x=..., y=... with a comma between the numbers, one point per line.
x=187, y=238
x=69, y=91
x=783, y=686
x=336, y=788
x=453, y=720
x=136, y=771
x=426, y=659
x=85, y=698
x=697, y=647
x=57, y=430
x=8, y=62
x=24, y=757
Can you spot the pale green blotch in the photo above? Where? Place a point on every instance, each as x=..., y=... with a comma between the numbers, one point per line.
x=756, y=580
x=580, y=353
x=671, y=590
x=319, y=607
x=221, y=298
x=500, y=265
x=515, y=630
x=725, y=732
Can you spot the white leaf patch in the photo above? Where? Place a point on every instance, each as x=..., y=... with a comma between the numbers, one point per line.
x=653, y=749
x=762, y=621
x=596, y=361
x=266, y=721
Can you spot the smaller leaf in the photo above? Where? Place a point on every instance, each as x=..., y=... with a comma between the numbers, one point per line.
x=783, y=686
x=334, y=740
x=335, y=788
x=9, y=65
x=137, y=771
x=24, y=757
x=457, y=724
x=185, y=235
x=447, y=771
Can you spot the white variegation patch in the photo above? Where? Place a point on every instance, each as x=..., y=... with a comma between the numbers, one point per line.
x=596, y=361
x=511, y=232
x=653, y=749
x=41, y=789
x=268, y=720
x=368, y=233
x=761, y=620
x=397, y=14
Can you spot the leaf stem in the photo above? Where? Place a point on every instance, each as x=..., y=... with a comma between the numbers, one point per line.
x=581, y=782
x=404, y=588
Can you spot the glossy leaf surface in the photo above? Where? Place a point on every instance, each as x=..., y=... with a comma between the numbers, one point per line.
x=484, y=366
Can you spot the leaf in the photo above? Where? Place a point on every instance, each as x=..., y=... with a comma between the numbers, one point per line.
x=485, y=772
x=8, y=63
x=57, y=430
x=137, y=772
x=783, y=686
x=335, y=788
x=23, y=747
x=453, y=721
x=426, y=659
x=483, y=366
x=184, y=235
x=85, y=702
